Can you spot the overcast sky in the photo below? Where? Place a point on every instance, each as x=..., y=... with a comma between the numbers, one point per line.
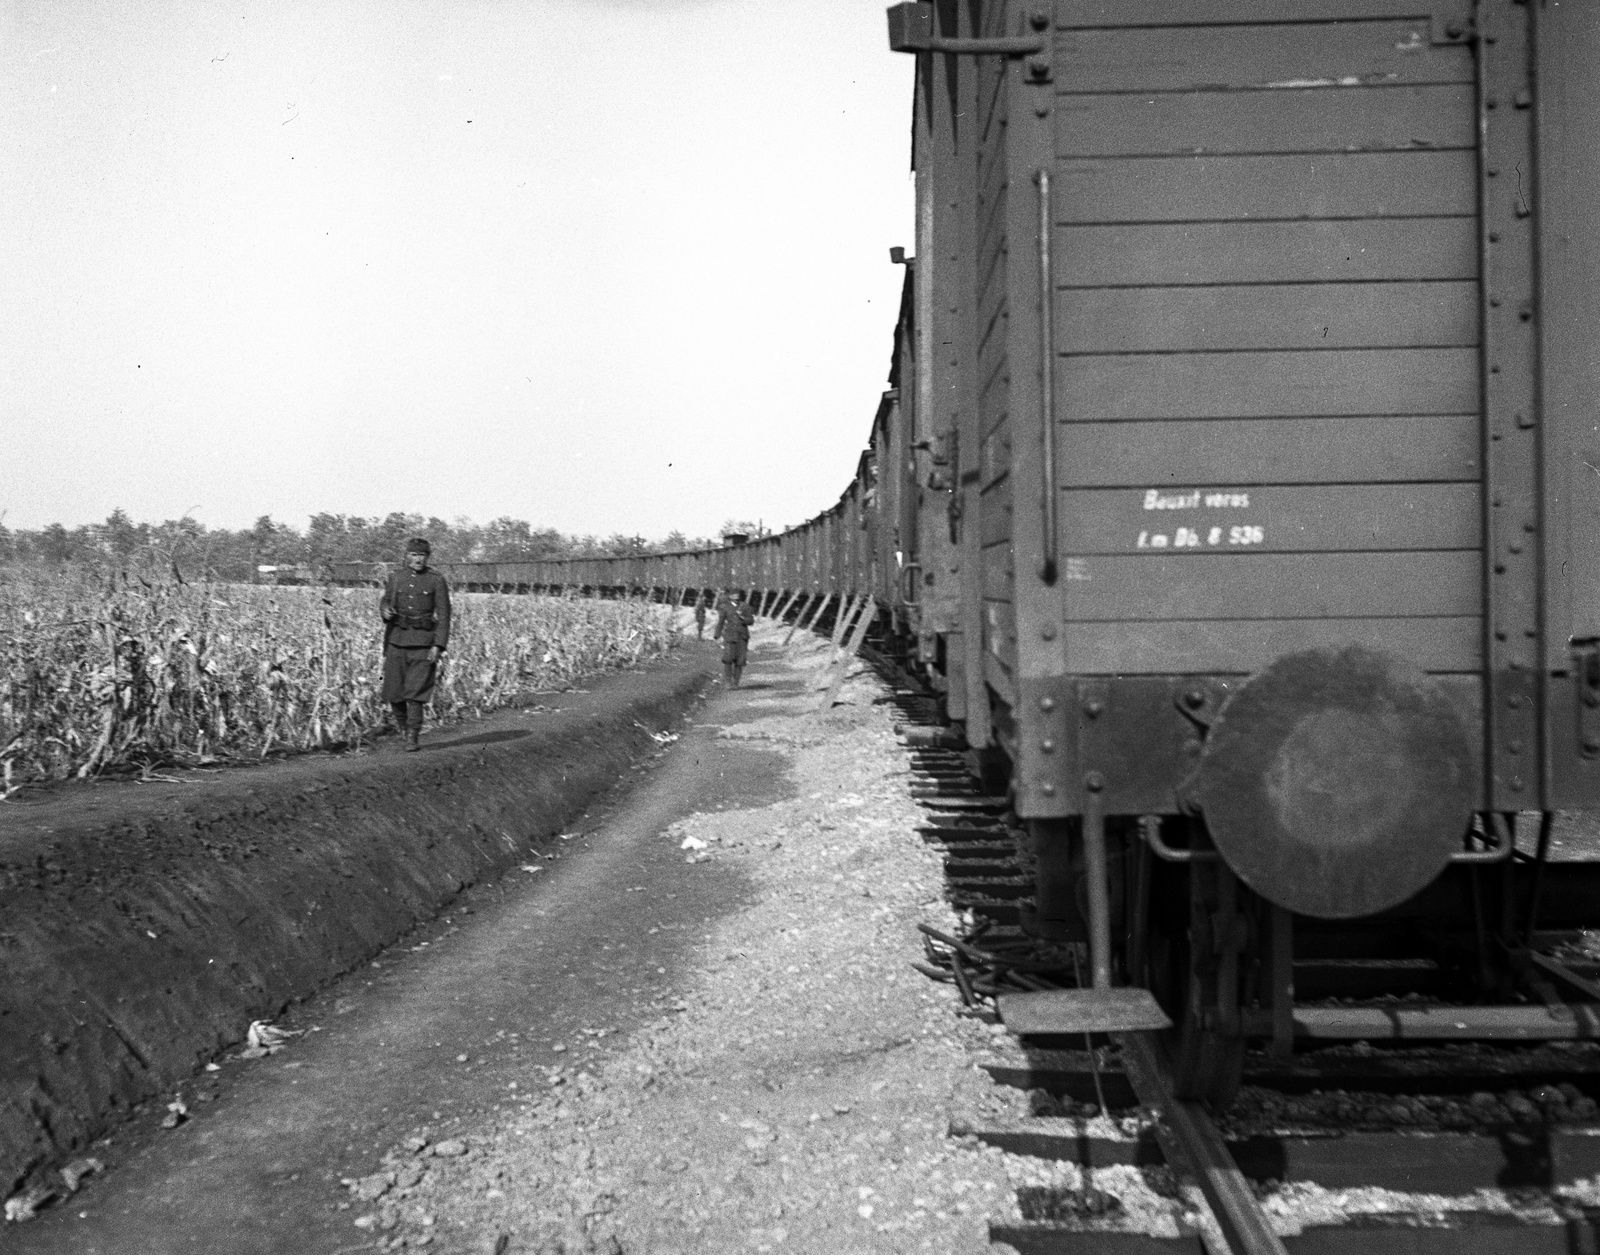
x=607, y=265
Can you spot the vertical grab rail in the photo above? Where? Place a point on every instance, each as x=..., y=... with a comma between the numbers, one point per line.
x=1047, y=378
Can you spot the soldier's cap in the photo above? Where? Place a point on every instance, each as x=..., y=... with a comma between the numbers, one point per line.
x=419, y=545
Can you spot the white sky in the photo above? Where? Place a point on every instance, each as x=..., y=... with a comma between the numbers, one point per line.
x=606, y=265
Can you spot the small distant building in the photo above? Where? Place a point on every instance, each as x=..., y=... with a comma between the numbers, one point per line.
x=285, y=575
x=733, y=539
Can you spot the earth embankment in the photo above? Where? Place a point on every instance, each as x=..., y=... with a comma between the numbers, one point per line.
x=143, y=926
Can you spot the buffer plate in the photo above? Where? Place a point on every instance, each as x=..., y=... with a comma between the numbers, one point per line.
x=1337, y=783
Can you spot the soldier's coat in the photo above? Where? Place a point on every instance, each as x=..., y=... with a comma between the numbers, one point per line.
x=733, y=628
x=415, y=598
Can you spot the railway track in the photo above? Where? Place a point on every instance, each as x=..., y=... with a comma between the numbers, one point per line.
x=1458, y=1148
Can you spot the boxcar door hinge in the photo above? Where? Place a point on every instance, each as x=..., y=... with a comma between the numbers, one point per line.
x=911, y=30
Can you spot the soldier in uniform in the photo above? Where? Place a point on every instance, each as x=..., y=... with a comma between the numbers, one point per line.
x=700, y=606
x=733, y=630
x=416, y=617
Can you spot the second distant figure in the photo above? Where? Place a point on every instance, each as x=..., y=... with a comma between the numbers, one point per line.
x=733, y=630
x=700, y=607
x=416, y=631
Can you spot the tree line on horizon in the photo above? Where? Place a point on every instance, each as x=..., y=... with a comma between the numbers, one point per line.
x=224, y=554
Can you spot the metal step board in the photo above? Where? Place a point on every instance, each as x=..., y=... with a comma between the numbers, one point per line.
x=1129, y=1009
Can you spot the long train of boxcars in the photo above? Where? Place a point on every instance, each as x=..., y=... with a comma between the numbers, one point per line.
x=1237, y=488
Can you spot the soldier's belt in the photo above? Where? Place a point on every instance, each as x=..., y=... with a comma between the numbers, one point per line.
x=416, y=623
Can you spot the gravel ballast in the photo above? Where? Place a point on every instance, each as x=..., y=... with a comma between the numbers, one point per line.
x=800, y=1096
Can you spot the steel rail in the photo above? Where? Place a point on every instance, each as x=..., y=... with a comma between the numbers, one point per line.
x=1193, y=1147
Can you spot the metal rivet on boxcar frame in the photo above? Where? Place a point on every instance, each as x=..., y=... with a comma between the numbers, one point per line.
x=1500, y=634
x=1499, y=568
x=1047, y=789
x=1591, y=699
x=1042, y=111
x=1048, y=632
x=1530, y=528
x=1516, y=784
x=1514, y=702
x=1094, y=782
x=1524, y=421
x=1522, y=99
x=1494, y=301
x=1454, y=30
x=1494, y=237
x=1047, y=703
x=1591, y=745
x=1513, y=747
x=1093, y=707
x=1040, y=19
x=1490, y=102
x=1194, y=699
x=1047, y=746
x=1514, y=547
x=1499, y=500
x=1038, y=67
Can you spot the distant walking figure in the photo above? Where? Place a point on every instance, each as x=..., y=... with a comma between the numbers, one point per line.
x=416, y=615
x=700, y=617
x=733, y=630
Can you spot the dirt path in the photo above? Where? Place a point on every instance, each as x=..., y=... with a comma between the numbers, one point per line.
x=636, y=1048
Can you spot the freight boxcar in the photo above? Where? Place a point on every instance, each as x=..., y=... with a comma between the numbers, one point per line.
x=1258, y=346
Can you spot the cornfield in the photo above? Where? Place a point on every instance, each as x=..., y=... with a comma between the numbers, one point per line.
x=109, y=674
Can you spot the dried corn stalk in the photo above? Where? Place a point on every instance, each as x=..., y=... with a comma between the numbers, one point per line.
x=97, y=674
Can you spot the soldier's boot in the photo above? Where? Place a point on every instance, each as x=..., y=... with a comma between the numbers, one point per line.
x=398, y=709
x=413, y=726
x=413, y=735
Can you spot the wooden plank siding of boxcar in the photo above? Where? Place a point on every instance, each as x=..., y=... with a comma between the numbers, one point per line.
x=1308, y=316
x=1230, y=56
x=1281, y=383
x=1399, y=119
x=1268, y=329
x=1258, y=187
x=1310, y=251
x=997, y=580
x=1383, y=449
x=1087, y=14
